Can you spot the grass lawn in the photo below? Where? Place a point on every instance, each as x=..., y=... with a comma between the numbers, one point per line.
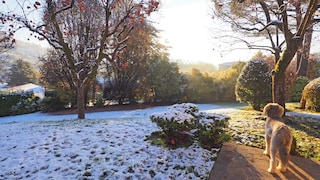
x=247, y=127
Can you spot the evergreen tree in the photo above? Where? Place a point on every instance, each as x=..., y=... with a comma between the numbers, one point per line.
x=22, y=72
x=164, y=79
x=254, y=84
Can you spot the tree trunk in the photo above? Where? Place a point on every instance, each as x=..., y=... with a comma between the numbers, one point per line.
x=94, y=89
x=279, y=88
x=80, y=102
x=303, y=54
x=280, y=70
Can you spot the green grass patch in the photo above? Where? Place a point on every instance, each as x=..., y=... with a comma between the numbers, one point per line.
x=160, y=139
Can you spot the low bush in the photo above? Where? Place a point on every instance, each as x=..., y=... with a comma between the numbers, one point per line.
x=311, y=94
x=177, y=120
x=99, y=103
x=51, y=102
x=18, y=103
x=183, y=124
x=211, y=130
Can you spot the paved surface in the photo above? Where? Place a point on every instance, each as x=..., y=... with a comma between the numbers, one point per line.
x=238, y=162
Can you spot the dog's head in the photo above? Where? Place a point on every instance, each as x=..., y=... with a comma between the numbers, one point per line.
x=273, y=110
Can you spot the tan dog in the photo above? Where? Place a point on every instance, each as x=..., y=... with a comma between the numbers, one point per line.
x=278, y=137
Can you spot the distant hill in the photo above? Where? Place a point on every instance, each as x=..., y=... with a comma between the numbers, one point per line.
x=226, y=65
x=26, y=51
x=205, y=67
x=202, y=67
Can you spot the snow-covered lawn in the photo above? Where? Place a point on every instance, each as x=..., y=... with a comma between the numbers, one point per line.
x=107, y=145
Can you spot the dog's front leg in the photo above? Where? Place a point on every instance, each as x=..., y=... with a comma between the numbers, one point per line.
x=267, y=140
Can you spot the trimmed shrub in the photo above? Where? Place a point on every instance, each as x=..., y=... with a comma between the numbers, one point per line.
x=18, y=103
x=175, y=121
x=182, y=124
x=296, y=93
x=254, y=84
x=311, y=93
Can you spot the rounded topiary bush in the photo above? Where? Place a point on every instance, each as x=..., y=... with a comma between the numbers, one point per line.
x=254, y=84
x=311, y=94
x=296, y=93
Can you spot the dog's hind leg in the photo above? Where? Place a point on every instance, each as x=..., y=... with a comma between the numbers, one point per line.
x=284, y=158
x=273, y=161
x=273, y=153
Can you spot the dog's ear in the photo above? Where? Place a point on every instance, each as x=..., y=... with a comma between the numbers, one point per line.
x=280, y=110
x=266, y=109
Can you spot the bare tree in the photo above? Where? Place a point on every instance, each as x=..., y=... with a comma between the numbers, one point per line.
x=84, y=32
x=6, y=42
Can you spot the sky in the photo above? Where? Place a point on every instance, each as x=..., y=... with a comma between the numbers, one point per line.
x=186, y=26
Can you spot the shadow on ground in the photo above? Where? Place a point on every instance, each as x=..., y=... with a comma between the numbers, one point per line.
x=244, y=162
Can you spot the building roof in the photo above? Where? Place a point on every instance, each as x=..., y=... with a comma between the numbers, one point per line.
x=37, y=90
x=25, y=87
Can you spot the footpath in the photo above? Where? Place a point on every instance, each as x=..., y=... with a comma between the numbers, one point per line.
x=240, y=162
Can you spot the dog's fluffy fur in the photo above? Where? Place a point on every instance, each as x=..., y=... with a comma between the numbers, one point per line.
x=278, y=137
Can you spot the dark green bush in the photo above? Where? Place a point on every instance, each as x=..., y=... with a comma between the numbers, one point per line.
x=254, y=84
x=18, y=103
x=311, y=93
x=212, y=134
x=99, y=103
x=7, y=100
x=173, y=124
x=296, y=93
x=51, y=102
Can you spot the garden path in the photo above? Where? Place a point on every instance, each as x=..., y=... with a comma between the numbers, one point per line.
x=243, y=162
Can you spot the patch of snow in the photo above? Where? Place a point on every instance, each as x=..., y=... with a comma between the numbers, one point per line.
x=305, y=114
x=137, y=113
x=108, y=149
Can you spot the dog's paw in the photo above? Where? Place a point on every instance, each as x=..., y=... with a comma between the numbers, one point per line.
x=270, y=170
x=265, y=152
x=282, y=169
